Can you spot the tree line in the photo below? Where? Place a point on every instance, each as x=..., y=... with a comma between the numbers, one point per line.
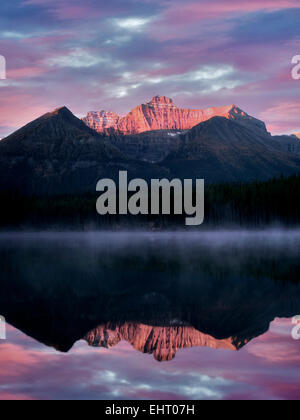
x=252, y=205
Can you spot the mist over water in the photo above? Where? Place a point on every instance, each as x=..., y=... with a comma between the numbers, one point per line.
x=182, y=241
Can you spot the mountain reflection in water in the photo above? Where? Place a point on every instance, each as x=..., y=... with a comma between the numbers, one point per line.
x=162, y=342
x=160, y=292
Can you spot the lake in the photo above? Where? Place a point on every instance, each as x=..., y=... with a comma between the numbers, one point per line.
x=206, y=315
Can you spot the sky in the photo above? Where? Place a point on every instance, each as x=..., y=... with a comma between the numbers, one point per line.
x=267, y=368
x=113, y=55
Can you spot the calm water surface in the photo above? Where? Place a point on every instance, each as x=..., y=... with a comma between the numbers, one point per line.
x=150, y=316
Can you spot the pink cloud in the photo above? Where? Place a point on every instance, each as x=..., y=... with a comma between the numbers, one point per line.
x=15, y=397
x=75, y=10
x=285, y=352
x=18, y=109
x=183, y=21
x=182, y=37
x=283, y=117
x=200, y=11
x=25, y=72
x=258, y=371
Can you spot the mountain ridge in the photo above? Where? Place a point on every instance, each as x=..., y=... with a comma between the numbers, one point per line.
x=162, y=114
x=58, y=154
x=221, y=150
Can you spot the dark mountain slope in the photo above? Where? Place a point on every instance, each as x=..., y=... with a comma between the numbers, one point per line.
x=150, y=146
x=289, y=144
x=220, y=150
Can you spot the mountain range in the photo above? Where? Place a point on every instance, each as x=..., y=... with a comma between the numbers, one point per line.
x=162, y=342
x=61, y=154
x=161, y=114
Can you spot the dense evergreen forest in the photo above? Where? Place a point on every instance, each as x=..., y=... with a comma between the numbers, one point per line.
x=251, y=205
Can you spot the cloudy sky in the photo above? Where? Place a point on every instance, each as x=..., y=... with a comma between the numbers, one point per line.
x=267, y=368
x=116, y=54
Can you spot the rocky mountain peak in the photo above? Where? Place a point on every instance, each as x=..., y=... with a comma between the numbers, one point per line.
x=104, y=120
x=162, y=114
x=161, y=100
x=61, y=110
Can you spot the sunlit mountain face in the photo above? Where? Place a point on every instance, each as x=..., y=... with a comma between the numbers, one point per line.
x=163, y=294
x=162, y=342
x=162, y=114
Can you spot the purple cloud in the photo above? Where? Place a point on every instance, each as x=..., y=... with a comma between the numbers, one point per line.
x=115, y=55
x=267, y=368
